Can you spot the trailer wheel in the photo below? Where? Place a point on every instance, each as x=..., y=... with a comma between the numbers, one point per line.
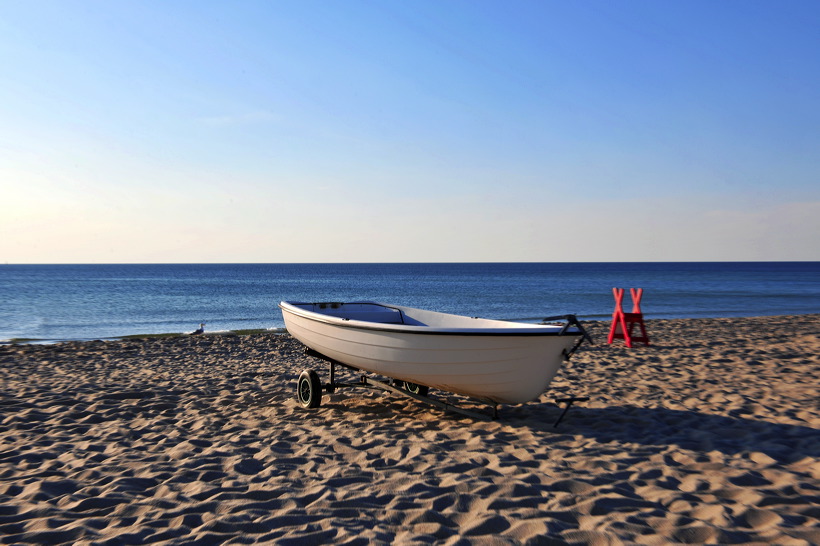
x=309, y=389
x=416, y=389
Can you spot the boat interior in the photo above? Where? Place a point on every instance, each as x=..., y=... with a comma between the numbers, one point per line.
x=369, y=312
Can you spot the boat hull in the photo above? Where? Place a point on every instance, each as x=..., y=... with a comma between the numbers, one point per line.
x=500, y=365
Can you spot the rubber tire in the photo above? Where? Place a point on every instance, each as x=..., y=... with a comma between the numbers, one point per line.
x=309, y=389
x=416, y=389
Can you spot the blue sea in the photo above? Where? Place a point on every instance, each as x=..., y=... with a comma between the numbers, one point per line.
x=75, y=302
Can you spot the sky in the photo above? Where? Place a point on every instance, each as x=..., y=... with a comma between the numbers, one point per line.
x=275, y=131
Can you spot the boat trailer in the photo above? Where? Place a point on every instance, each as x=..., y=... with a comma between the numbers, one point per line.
x=309, y=387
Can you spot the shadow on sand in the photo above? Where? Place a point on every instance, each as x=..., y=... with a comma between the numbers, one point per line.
x=649, y=427
x=663, y=427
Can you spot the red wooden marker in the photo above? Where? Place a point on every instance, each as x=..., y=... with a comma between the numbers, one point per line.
x=623, y=323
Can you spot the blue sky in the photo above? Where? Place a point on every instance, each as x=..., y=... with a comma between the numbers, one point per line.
x=324, y=131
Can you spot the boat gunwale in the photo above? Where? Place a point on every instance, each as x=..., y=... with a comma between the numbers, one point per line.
x=354, y=324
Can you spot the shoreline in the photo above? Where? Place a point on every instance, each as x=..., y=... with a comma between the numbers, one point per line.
x=711, y=434
x=283, y=330
x=167, y=335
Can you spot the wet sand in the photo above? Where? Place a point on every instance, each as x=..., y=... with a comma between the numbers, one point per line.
x=710, y=435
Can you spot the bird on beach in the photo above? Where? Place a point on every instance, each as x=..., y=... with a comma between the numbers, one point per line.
x=199, y=330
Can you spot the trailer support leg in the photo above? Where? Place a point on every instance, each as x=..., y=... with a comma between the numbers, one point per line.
x=568, y=401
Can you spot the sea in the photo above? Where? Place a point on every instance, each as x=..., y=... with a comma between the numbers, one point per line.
x=51, y=303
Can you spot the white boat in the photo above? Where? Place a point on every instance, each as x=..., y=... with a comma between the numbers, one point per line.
x=495, y=361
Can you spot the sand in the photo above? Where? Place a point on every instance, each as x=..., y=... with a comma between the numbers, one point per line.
x=711, y=435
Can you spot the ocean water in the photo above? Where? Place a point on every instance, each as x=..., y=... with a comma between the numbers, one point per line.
x=65, y=302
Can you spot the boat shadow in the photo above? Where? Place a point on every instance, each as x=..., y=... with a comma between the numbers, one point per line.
x=617, y=425
x=632, y=425
x=658, y=426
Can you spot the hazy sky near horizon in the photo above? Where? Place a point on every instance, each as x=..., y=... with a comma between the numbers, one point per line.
x=371, y=131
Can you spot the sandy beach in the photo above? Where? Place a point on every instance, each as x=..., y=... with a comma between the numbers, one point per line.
x=710, y=435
